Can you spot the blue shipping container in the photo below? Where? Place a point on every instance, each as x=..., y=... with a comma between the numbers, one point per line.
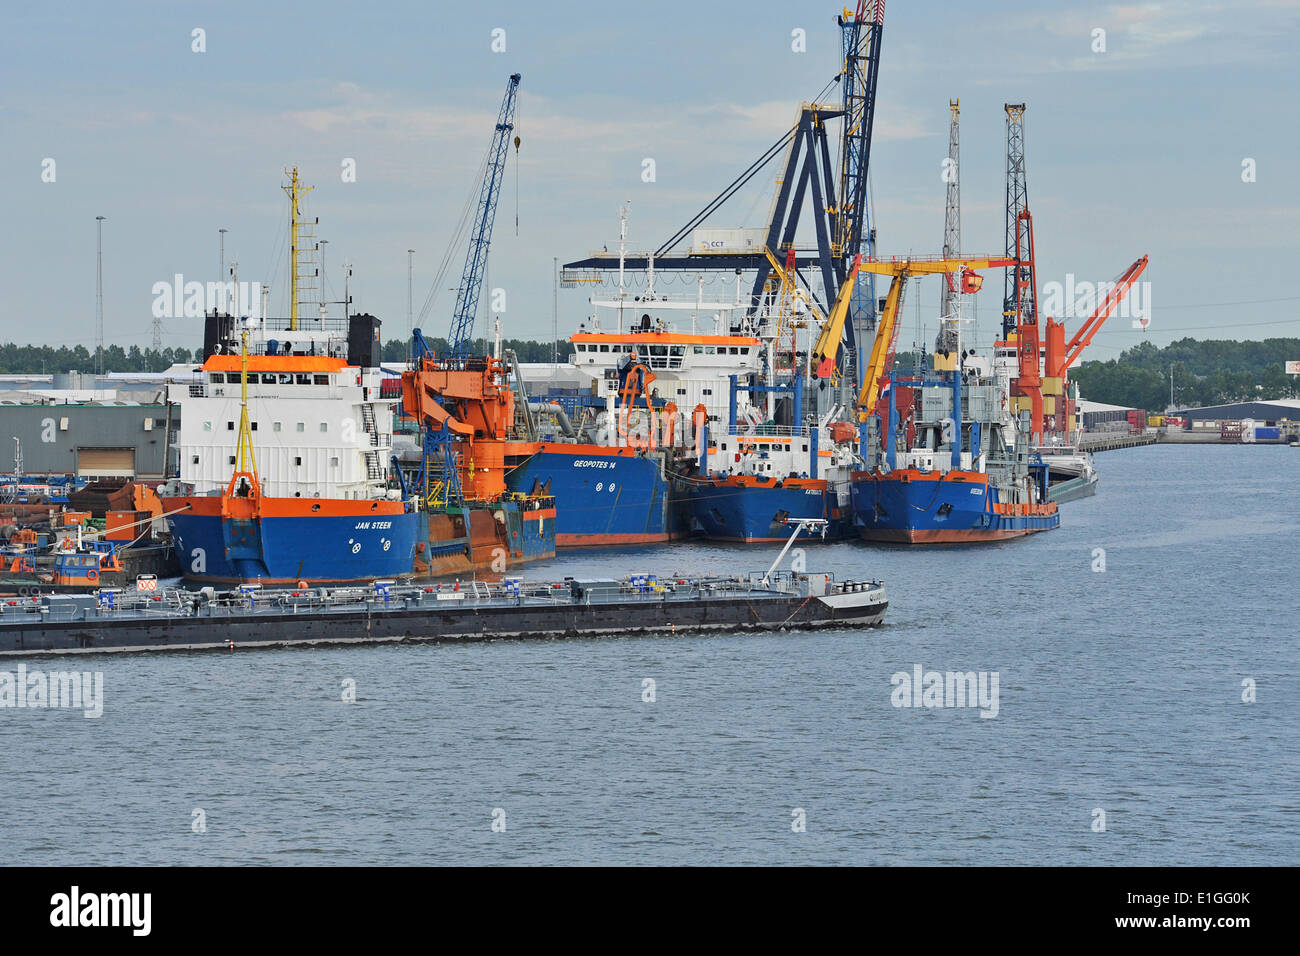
x=1266, y=434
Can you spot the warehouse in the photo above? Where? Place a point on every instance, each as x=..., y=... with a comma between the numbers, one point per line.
x=123, y=431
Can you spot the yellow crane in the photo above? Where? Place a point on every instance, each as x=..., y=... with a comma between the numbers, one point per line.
x=828, y=343
x=882, y=349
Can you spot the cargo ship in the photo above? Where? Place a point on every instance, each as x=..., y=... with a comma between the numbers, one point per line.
x=779, y=457
x=935, y=482
x=617, y=455
x=948, y=451
x=286, y=472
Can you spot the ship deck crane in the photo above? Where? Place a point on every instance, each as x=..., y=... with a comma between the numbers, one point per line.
x=1068, y=352
x=463, y=401
x=900, y=270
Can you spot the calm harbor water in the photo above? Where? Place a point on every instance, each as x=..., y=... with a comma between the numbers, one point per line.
x=1119, y=690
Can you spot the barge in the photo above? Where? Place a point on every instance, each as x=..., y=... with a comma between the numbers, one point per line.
x=387, y=612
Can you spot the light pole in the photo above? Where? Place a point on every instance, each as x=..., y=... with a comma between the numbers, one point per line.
x=221, y=268
x=99, y=295
x=321, y=290
x=410, y=315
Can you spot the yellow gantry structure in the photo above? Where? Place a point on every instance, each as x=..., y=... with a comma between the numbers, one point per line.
x=882, y=349
x=302, y=245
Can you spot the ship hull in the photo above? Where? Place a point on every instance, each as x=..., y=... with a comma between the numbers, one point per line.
x=348, y=542
x=752, y=510
x=910, y=507
x=603, y=495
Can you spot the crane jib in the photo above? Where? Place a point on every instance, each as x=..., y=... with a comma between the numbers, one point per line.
x=471, y=282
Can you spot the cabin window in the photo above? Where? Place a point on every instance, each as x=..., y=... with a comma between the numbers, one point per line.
x=230, y=426
x=334, y=462
x=708, y=391
x=681, y=391
x=275, y=426
x=324, y=426
x=297, y=460
x=207, y=426
x=194, y=460
x=805, y=447
x=302, y=426
x=253, y=425
x=231, y=460
x=321, y=379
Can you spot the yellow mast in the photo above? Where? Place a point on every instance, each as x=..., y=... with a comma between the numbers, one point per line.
x=299, y=233
x=244, y=451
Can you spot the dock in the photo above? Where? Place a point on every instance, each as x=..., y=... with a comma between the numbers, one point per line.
x=1103, y=441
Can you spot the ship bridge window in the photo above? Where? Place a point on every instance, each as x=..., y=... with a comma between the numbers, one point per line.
x=284, y=378
x=658, y=350
x=698, y=350
x=744, y=351
x=302, y=378
x=677, y=350
x=216, y=378
x=710, y=350
x=321, y=379
x=735, y=351
x=604, y=348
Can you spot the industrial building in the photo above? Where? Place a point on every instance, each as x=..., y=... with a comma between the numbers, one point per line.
x=113, y=426
x=1270, y=413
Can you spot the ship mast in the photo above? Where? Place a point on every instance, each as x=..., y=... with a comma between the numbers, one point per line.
x=302, y=246
x=244, y=451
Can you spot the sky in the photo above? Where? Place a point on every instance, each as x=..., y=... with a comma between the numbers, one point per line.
x=1138, y=149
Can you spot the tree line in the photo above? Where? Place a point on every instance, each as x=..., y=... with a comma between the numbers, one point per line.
x=1205, y=372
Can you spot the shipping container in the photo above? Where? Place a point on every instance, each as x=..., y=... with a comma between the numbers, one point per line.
x=1267, y=434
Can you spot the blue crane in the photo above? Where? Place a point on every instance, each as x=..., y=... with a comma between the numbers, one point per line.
x=471, y=281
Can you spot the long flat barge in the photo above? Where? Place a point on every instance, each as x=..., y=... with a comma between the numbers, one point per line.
x=250, y=617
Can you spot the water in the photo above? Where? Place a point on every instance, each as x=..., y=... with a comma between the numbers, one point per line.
x=1119, y=690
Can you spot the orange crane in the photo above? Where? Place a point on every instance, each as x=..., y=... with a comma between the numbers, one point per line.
x=1062, y=355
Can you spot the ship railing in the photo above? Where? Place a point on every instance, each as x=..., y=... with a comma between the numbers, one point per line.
x=769, y=431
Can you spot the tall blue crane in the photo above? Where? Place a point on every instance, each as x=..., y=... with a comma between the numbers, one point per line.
x=861, y=34
x=471, y=281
